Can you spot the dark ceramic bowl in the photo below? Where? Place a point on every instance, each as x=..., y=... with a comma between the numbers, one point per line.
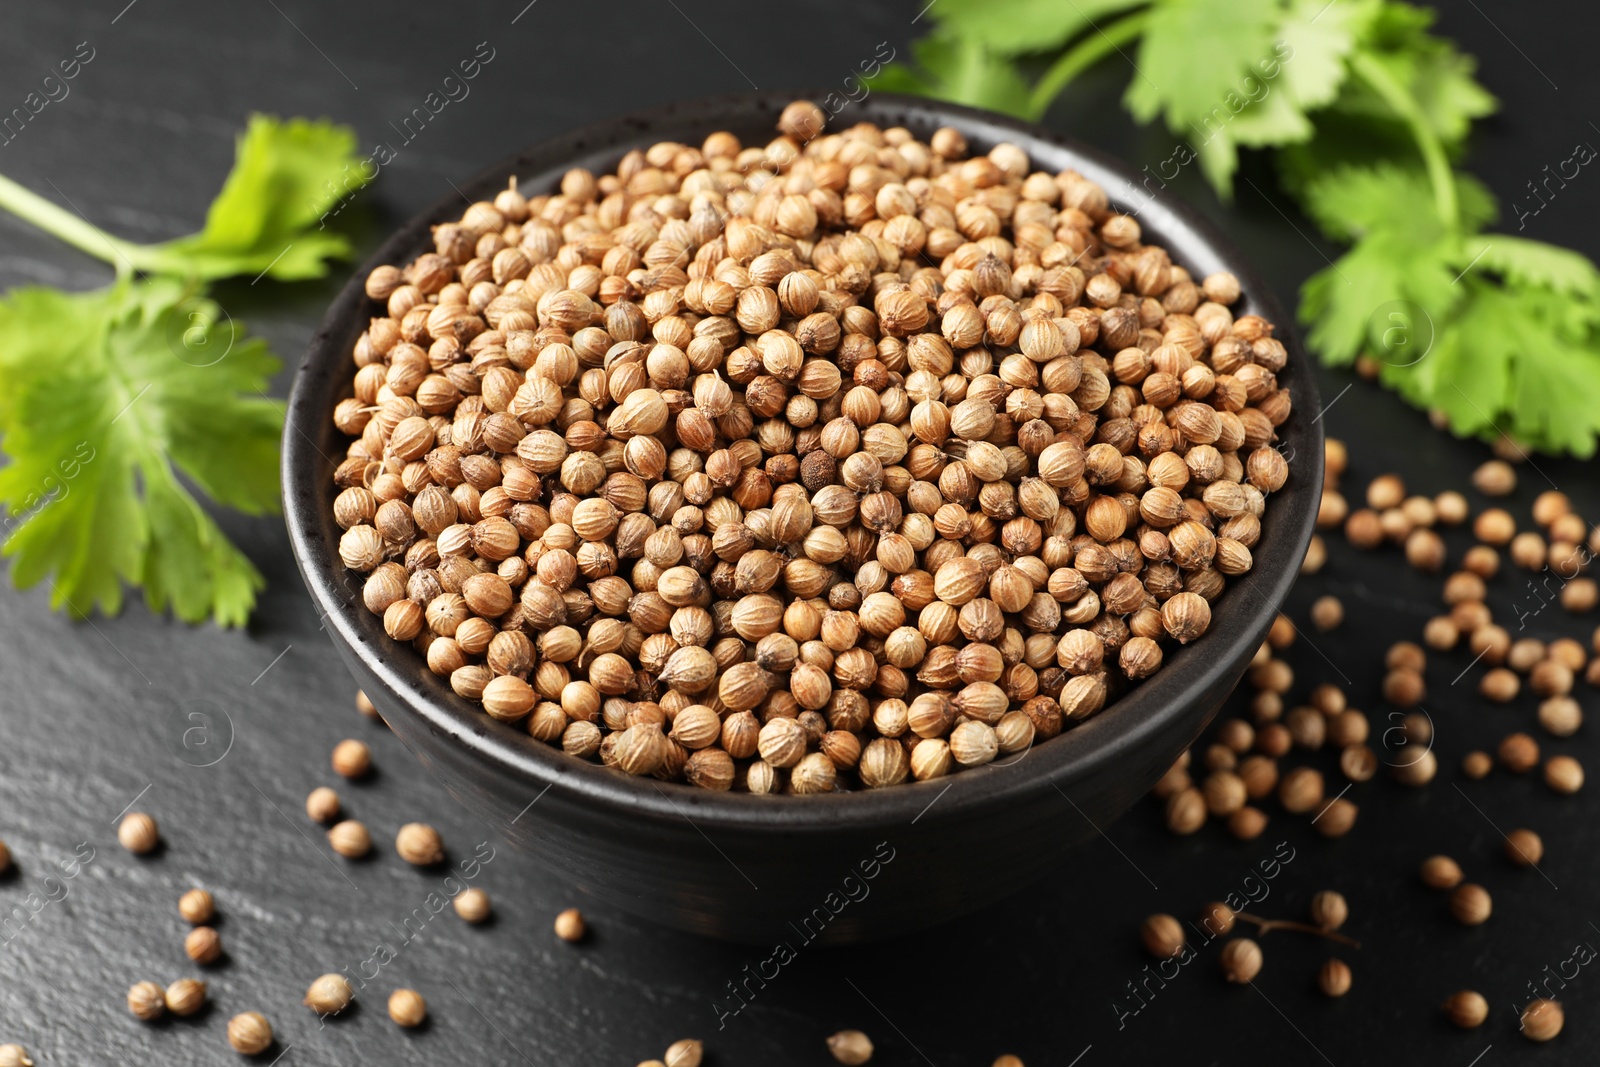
x=839, y=867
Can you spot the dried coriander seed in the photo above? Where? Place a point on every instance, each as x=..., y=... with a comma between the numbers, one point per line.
x=1542, y=1020
x=1241, y=960
x=1440, y=872
x=1470, y=904
x=14, y=1056
x=472, y=905
x=1563, y=774
x=364, y=705
x=350, y=839
x=147, y=1001
x=197, y=906
x=570, y=926
x=203, y=945
x=323, y=805
x=407, y=1008
x=250, y=1033
x=1524, y=848
x=1162, y=936
x=329, y=994
x=138, y=833
x=1333, y=978
x=186, y=996
x=419, y=844
x=686, y=1052
x=850, y=1047
x=351, y=759
x=1466, y=1009
x=1329, y=909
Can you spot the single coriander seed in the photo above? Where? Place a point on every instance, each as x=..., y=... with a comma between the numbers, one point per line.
x=350, y=839
x=570, y=926
x=197, y=906
x=1563, y=774
x=1241, y=960
x=1466, y=1009
x=472, y=905
x=364, y=704
x=322, y=805
x=1329, y=910
x=1524, y=848
x=419, y=844
x=1542, y=1020
x=351, y=759
x=1470, y=904
x=329, y=995
x=1008, y=1060
x=147, y=1001
x=1440, y=872
x=186, y=996
x=250, y=1033
x=686, y=1052
x=850, y=1047
x=1162, y=936
x=14, y=1056
x=407, y=1008
x=203, y=944
x=138, y=833
x=1334, y=978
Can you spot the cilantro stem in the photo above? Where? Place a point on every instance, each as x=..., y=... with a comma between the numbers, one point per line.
x=1081, y=57
x=76, y=231
x=1440, y=174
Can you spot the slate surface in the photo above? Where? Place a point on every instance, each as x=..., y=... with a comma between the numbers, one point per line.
x=93, y=715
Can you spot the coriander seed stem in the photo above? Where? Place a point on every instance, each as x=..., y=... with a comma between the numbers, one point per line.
x=1080, y=58
x=1440, y=173
x=69, y=227
x=1268, y=925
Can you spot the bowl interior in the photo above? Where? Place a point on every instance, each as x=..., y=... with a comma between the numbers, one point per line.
x=1240, y=619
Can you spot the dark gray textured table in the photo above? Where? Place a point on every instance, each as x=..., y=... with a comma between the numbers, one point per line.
x=92, y=715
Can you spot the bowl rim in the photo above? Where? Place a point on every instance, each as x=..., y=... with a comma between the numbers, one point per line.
x=1088, y=748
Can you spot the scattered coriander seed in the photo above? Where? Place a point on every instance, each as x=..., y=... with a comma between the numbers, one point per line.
x=250, y=1033
x=1495, y=478
x=1247, y=823
x=1564, y=774
x=1524, y=848
x=1386, y=491
x=138, y=833
x=364, y=704
x=1333, y=978
x=686, y=1052
x=1327, y=612
x=472, y=905
x=1466, y=1009
x=1580, y=595
x=1542, y=1020
x=1500, y=685
x=197, y=906
x=14, y=1056
x=147, y=1001
x=329, y=994
x=322, y=805
x=1218, y=919
x=186, y=996
x=1162, y=936
x=350, y=839
x=1007, y=1060
x=1477, y=765
x=1419, y=771
x=407, y=1008
x=1519, y=753
x=850, y=1047
x=1470, y=904
x=351, y=759
x=1186, y=811
x=1441, y=872
x=203, y=944
x=1241, y=960
x=1337, y=818
x=570, y=925
x=1329, y=909
x=419, y=844
x=1300, y=790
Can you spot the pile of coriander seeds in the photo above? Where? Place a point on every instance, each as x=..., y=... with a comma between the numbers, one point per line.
x=839, y=461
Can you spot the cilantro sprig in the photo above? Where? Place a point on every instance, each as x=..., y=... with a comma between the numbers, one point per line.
x=122, y=408
x=1367, y=113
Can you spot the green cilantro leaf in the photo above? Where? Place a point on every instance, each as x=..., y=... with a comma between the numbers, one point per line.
x=268, y=217
x=1534, y=263
x=1170, y=83
x=962, y=71
x=109, y=397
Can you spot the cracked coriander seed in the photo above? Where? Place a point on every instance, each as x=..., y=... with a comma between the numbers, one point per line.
x=138, y=833
x=850, y=1047
x=197, y=906
x=186, y=996
x=147, y=1001
x=407, y=1008
x=250, y=1033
